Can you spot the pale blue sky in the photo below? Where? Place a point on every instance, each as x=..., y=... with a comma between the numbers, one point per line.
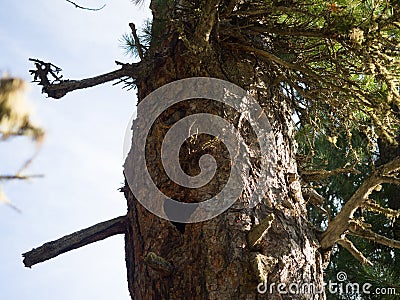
x=82, y=154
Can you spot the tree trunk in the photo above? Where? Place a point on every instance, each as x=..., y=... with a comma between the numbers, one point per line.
x=215, y=259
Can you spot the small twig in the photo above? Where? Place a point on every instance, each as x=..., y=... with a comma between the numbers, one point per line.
x=9, y=204
x=82, y=7
x=43, y=69
x=20, y=177
x=137, y=41
x=75, y=240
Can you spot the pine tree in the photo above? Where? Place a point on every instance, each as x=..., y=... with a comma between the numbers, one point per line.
x=332, y=67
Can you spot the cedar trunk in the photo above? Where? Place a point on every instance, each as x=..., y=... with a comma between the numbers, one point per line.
x=212, y=259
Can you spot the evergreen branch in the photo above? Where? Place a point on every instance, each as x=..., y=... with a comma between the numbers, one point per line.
x=341, y=222
x=86, y=8
x=293, y=32
x=349, y=246
x=358, y=229
x=62, y=87
x=331, y=80
x=75, y=240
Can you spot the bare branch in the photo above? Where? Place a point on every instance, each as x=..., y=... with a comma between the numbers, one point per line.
x=375, y=207
x=311, y=195
x=86, y=8
x=137, y=41
x=349, y=246
x=20, y=177
x=75, y=240
x=391, y=180
x=358, y=229
x=319, y=175
x=9, y=204
x=62, y=87
x=341, y=222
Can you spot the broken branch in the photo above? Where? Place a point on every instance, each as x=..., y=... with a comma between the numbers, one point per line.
x=75, y=240
x=62, y=87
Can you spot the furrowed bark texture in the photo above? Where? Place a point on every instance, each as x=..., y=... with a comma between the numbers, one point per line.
x=213, y=259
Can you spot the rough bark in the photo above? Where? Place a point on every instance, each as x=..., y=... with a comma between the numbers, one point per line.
x=213, y=259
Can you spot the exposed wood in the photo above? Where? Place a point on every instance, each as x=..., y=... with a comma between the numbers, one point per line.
x=75, y=240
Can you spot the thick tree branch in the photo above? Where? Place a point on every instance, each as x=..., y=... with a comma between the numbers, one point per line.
x=349, y=246
x=75, y=240
x=62, y=87
x=341, y=222
x=358, y=229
